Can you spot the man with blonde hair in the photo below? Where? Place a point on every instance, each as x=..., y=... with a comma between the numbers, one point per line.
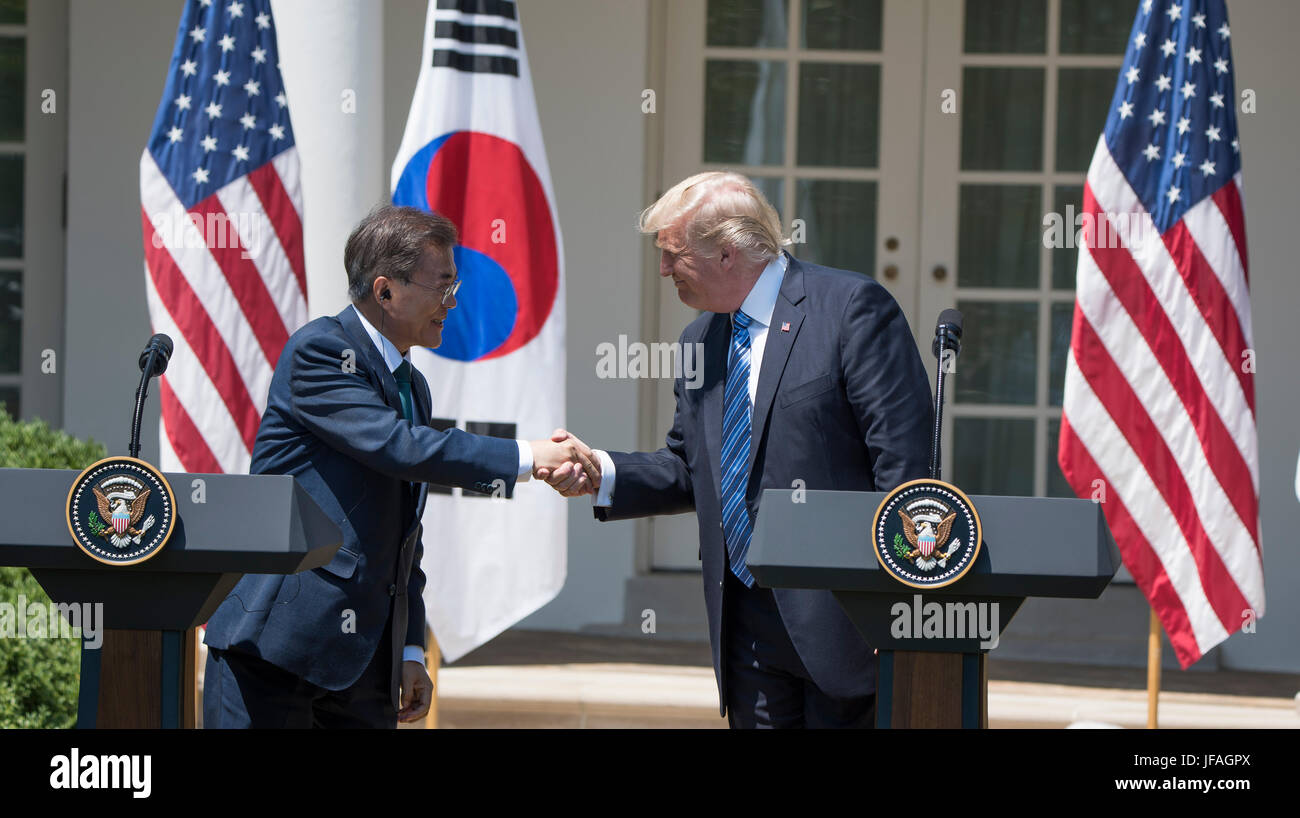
x=809, y=374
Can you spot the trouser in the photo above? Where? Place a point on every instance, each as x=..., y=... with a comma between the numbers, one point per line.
x=767, y=683
x=244, y=691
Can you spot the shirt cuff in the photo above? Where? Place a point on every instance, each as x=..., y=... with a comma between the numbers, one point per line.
x=525, y=461
x=413, y=653
x=604, y=496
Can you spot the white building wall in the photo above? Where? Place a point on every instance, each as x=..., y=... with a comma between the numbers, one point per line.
x=118, y=54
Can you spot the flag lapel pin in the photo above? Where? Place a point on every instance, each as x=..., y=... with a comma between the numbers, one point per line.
x=785, y=326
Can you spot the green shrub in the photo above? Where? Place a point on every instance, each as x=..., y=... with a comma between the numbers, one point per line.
x=34, y=445
x=38, y=677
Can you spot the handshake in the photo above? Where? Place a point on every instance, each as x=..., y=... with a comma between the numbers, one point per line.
x=566, y=464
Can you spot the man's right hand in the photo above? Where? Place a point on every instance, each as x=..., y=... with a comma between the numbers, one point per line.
x=566, y=464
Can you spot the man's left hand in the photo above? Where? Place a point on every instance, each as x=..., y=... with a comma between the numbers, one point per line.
x=417, y=692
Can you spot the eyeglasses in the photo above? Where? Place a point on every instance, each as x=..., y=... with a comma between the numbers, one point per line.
x=447, y=292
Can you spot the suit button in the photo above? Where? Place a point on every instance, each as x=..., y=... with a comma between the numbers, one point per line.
x=392, y=590
x=719, y=525
x=719, y=583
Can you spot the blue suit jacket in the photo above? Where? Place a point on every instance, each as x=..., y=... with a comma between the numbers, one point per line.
x=843, y=402
x=333, y=420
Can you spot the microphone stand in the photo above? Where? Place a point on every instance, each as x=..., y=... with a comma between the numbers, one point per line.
x=140, y=393
x=941, y=343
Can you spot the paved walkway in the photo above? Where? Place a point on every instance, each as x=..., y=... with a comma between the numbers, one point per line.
x=543, y=679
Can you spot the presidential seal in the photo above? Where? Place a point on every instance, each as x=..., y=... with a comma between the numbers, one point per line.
x=926, y=534
x=121, y=511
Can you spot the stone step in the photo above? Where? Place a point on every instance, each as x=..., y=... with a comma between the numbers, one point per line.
x=578, y=696
x=627, y=695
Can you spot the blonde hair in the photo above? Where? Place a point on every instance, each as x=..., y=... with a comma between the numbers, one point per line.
x=719, y=208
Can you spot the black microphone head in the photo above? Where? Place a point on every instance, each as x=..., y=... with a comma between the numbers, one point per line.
x=163, y=345
x=947, y=327
x=952, y=318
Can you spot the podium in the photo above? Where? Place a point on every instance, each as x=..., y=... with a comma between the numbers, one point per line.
x=226, y=526
x=932, y=672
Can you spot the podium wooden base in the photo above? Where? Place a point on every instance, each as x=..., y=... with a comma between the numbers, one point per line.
x=139, y=679
x=911, y=688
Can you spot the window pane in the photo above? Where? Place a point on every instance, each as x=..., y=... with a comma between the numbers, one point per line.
x=744, y=112
x=1062, y=326
x=999, y=236
x=11, y=206
x=1056, y=483
x=839, y=115
x=1096, y=26
x=1067, y=202
x=839, y=224
x=998, y=352
x=773, y=189
x=9, y=397
x=1006, y=26
x=842, y=24
x=747, y=23
x=1002, y=119
x=13, y=11
x=13, y=87
x=11, y=321
x=993, y=455
x=1081, y=116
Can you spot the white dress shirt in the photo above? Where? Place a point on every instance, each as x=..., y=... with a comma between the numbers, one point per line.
x=758, y=305
x=393, y=359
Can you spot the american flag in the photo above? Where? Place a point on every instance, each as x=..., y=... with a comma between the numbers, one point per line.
x=1159, y=407
x=221, y=210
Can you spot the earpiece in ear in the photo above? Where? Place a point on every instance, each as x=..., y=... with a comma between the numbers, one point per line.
x=387, y=295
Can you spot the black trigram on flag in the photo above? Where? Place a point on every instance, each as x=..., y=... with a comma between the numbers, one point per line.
x=481, y=46
x=475, y=427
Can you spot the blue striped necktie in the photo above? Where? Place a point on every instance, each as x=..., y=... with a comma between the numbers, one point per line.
x=403, y=377
x=736, y=421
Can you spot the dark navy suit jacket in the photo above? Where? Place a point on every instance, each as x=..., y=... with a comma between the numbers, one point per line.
x=333, y=420
x=843, y=403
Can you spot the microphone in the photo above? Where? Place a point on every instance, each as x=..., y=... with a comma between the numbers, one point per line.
x=163, y=346
x=947, y=333
x=946, y=347
x=153, y=362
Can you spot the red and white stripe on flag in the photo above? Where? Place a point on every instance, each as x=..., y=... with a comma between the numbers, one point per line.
x=1159, y=405
x=221, y=216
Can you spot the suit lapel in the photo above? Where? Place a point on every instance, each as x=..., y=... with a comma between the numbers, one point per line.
x=716, y=343
x=369, y=355
x=776, y=352
x=423, y=412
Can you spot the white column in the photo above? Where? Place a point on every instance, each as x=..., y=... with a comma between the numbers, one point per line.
x=331, y=57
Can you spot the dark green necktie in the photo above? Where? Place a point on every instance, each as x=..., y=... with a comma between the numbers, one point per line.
x=403, y=376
